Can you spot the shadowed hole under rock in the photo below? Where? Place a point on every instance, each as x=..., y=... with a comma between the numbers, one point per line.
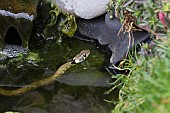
x=13, y=37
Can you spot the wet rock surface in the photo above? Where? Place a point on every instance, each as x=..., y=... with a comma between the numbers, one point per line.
x=105, y=31
x=11, y=51
x=86, y=9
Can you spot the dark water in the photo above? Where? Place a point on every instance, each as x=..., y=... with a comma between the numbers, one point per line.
x=80, y=90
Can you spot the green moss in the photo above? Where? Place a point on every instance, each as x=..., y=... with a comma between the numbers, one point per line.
x=69, y=26
x=61, y=22
x=54, y=15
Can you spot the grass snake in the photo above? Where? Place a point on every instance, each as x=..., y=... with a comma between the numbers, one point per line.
x=80, y=57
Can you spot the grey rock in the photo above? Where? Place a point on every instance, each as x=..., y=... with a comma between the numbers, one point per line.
x=18, y=15
x=11, y=51
x=105, y=31
x=93, y=28
x=86, y=78
x=86, y=9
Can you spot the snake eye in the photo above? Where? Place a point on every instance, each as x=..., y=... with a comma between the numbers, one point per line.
x=85, y=55
x=73, y=62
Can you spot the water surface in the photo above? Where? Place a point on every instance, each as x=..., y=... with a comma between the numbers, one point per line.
x=80, y=90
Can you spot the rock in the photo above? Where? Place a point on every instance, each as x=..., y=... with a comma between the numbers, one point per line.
x=16, y=18
x=105, y=31
x=93, y=28
x=11, y=51
x=85, y=78
x=119, y=44
x=86, y=9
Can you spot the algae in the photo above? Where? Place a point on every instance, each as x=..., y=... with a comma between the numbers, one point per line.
x=61, y=21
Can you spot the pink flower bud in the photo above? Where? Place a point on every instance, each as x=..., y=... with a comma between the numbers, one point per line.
x=162, y=18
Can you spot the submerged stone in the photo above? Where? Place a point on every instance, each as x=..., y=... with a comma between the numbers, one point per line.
x=19, y=15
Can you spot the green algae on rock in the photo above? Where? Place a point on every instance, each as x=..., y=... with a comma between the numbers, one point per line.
x=60, y=22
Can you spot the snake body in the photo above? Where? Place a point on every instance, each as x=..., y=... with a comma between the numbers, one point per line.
x=77, y=59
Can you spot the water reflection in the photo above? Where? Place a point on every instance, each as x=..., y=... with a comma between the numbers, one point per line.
x=79, y=90
x=59, y=98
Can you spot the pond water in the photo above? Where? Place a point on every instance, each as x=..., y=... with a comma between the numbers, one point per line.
x=79, y=90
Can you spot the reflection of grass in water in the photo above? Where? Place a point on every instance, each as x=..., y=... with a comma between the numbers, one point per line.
x=146, y=88
x=11, y=112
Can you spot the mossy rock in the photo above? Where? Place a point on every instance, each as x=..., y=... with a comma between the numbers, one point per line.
x=17, y=15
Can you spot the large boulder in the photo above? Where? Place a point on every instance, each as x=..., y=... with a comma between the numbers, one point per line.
x=105, y=31
x=86, y=9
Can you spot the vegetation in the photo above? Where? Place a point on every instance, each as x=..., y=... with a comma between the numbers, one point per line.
x=141, y=14
x=62, y=21
x=146, y=87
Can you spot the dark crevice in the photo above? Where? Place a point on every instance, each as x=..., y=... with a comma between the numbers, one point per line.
x=12, y=37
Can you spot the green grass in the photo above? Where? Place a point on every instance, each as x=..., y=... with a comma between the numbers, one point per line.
x=146, y=89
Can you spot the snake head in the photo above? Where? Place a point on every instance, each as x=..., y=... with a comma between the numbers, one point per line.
x=81, y=56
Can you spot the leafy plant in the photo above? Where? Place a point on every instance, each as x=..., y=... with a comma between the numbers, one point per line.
x=145, y=88
x=144, y=13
